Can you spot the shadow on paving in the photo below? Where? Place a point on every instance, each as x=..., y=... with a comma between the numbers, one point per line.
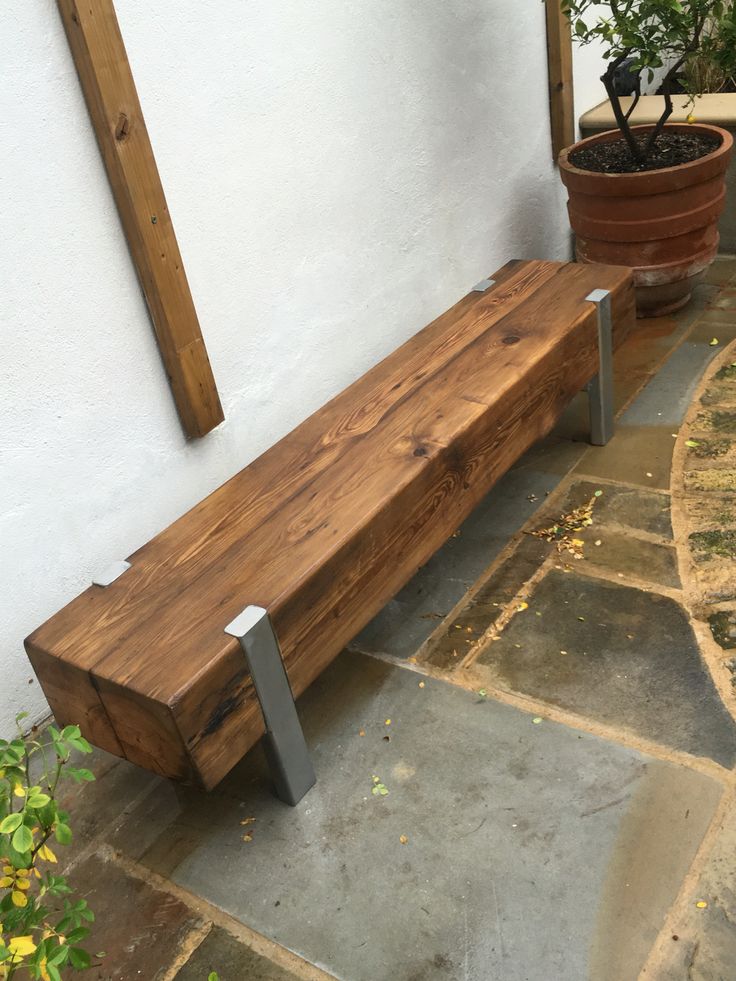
x=528, y=853
x=620, y=655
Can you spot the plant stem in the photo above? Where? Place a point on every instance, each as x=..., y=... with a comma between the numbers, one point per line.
x=615, y=100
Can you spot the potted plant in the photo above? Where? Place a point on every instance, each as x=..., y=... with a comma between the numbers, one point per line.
x=650, y=197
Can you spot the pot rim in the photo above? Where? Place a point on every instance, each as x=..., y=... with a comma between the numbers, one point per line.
x=609, y=135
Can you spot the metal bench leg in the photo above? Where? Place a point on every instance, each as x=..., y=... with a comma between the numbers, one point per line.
x=600, y=388
x=285, y=747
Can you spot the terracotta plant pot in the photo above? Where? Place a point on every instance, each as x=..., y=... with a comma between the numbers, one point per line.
x=662, y=223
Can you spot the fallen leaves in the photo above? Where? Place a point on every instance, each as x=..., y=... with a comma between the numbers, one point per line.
x=537, y=720
x=404, y=840
x=561, y=534
x=714, y=342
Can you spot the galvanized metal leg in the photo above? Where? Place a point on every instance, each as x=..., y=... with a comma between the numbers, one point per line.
x=286, y=749
x=600, y=388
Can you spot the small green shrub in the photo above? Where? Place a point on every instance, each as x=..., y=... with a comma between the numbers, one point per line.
x=41, y=924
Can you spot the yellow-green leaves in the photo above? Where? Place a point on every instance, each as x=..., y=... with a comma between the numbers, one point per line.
x=40, y=925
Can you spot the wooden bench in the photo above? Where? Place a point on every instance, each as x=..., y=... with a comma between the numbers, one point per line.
x=318, y=533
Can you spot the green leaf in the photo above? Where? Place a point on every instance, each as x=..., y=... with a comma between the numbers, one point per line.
x=23, y=839
x=80, y=959
x=63, y=834
x=37, y=801
x=213, y=976
x=80, y=774
x=11, y=822
x=59, y=955
x=53, y=972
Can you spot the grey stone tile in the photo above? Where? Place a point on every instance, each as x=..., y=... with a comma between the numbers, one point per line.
x=524, y=851
x=408, y=620
x=632, y=661
x=453, y=639
x=625, y=507
x=626, y=555
x=220, y=951
x=666, y=399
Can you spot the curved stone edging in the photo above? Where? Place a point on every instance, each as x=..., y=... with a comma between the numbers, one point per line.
x=703, y=489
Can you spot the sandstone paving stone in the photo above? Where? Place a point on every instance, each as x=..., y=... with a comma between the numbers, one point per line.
x=532, y=851
x=720, y=480
x=140, y=927
x=631, y=456
x=723, y=627
x=716, y=420
x=232, y=960
x=715, y=581
x=617, y=654
x=710, y=452
x=711, y=511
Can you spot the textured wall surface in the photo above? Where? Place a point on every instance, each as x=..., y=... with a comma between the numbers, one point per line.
x=338, y=174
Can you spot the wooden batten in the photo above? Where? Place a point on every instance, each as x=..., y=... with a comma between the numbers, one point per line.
x=561, y=87
x=112, y=100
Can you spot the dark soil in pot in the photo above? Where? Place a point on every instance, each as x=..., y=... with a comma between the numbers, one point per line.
x=670, y=150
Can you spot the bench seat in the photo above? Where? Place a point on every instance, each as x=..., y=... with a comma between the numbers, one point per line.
x=325, y=527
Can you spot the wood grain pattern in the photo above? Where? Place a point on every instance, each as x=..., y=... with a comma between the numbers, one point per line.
x=561, y=85
x=112, y=100
x=332, y=521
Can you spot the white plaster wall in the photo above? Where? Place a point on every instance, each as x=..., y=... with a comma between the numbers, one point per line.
x=588, y=66
x=338, y=172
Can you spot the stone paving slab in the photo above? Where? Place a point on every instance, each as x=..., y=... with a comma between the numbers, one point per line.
x=620, y=554
x=524, y=848
x=632, y=455
x=630, y=508
x=630, y=660
x=668, y=396
x=410, y=618
x=220, y=951
x=454, y=638
x=705, y=948
x=140, y=927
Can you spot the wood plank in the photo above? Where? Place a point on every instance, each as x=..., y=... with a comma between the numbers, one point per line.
x=561, y=85
x=112, y=100
x=345, y=534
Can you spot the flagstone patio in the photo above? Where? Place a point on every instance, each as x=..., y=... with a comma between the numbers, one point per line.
x=555, y=734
